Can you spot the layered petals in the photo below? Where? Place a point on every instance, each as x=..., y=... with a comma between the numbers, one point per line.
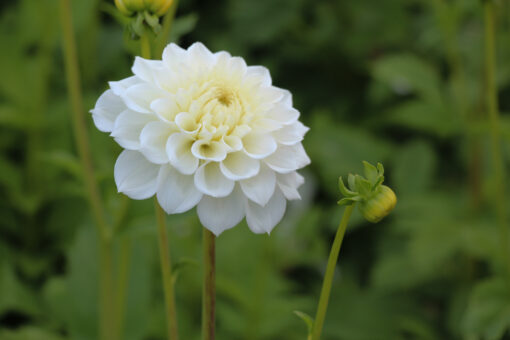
x=204, y=129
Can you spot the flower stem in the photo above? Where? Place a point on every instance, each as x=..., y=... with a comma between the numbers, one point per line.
x=122, y=280
x=209, y=289
x=145, y=45
x=166, y=271
x=82, y=142
x=168, y=20
x=492, y=108
x=330, y=271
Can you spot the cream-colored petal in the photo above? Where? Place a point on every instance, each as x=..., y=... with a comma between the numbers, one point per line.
x=176, y=192
x=238, y=166
x=260, y=188
x=291, y=134
x=258, y=145
x=128, y=127
x=135, y=176
x=106, y=111
x=220, y=214
x=153, y=139
x=210, y=180
x=289, y=184
x=165, y=108
x=262, y=219
x=288, y=158
x=178, y=148
x=209, y=150
x=140, y=96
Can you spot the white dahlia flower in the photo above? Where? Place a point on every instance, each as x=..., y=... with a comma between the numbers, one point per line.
x=204, y=129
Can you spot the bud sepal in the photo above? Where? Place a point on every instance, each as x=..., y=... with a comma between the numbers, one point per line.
x=375, y=199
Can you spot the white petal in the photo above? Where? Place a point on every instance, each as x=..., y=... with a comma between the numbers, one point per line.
x=220, y=214
x=258, y=75
x=283, y=114
x=263, y=219
x=128, y=127
x=176, y=192
x=212, y=151
x=153, y=141
x=238, y=166
x=210, y=180
x=186, y=123
x=178, y=148
x=146, y=69
x=260, y=188
x=166, y=108
x=233, y=142
x=259, y=145
x=120, y=87
x=173, y=53
x=288, y=158
x=107, y=109
x=140, y=96
x=135, y=176
x=287, y=98
x=199, y=55
x=289, y=184
x=291, y=134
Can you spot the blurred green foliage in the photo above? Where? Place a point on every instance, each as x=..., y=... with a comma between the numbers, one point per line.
x=396, y=81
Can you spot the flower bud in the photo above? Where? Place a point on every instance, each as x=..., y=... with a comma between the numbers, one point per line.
x=155, y=7
x=375, y=200
x=379, y=205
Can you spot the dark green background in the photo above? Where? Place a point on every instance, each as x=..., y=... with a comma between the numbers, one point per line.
x=396, y=81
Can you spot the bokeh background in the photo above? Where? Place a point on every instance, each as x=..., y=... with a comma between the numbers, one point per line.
x=395, y=81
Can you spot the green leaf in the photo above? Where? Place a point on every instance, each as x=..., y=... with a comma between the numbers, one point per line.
x=488, y=311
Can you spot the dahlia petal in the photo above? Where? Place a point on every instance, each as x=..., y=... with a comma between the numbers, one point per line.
x=233, y=142
x=176, y=192
x=262, y=219
x=291, y=134
x=260, y=188
x=128, y=127
x=289, y=184
x=165, y=108
x=258, y=75
x=186, y=123
x=210, y=180
x=178, y=149
x=287, y=98
x=283, y=114
x=200, y=55
x=153, y=140
x=120, y=87
x=107, y=109
x=172, y=53
x=220, y=214
x=140, y=96
x=135, y=176
x=147, y=69
x=288, y=158
x=210, y=151
x=258, y=145
x=238, y=166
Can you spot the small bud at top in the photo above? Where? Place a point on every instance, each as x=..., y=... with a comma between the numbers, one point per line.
x=154, y=7
x=375, y=200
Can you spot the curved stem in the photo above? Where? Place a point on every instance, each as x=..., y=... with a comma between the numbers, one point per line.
x=82, y=142
x=330, y=271
x=208, y=289
x=492, y=108
x=166, y=271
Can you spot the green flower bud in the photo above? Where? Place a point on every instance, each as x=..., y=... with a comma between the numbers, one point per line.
x=379, y=205
x=154, y=7
x=375, y=200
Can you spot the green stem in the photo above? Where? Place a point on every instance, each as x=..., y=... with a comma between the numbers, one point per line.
x=168, y=20
x=166, y=271
x=82, y=143
x=145, y=45
x=492, y=108
x=123, y=276
x=208, y=288
x=330, y=271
